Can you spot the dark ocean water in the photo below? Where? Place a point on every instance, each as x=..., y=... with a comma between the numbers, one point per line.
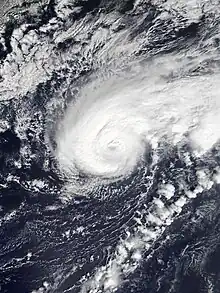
x=50, y=242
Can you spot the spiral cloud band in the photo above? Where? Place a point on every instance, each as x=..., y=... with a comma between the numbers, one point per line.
x=108, y=128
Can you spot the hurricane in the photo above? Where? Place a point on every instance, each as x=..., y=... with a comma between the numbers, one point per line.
x=105, y=132
x=110, y=126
